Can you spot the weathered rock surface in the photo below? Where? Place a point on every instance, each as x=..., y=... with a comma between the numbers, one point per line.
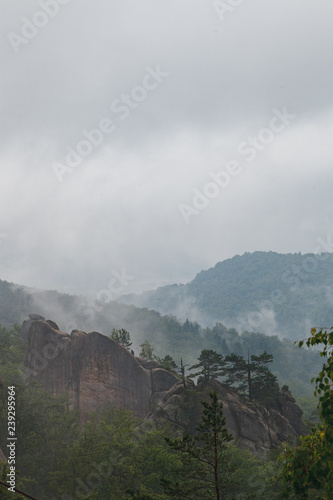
x=97, y=371
x=253, y=426
x=27, y=323
x=94, y=369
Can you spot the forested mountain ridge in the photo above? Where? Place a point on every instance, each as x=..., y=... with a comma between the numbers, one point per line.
x=167, y=335
x=48, y=420
x=283, y=294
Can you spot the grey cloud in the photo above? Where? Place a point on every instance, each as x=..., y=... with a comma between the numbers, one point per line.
x=120, y=206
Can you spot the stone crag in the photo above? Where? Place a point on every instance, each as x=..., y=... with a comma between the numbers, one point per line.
x=96, y=371
x=92, y=368
x=253, y=426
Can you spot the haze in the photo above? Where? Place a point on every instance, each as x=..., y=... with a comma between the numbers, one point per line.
x=206, y=133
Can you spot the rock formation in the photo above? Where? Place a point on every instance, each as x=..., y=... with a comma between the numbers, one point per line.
x=92, y=368
x=96, y=371
x=253, y=426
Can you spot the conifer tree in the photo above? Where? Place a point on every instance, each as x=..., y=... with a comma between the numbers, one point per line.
x=201, y=475
x=251, y=377
x=210, y=365
x=122, y=336
x=168, y=363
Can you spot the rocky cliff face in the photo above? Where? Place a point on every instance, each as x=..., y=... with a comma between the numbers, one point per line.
x=96, y=371
x=253, y=426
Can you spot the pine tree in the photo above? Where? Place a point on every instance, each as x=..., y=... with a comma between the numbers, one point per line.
x=264, y=383
x=121, y=336
x=201, y=475
x=168, y=363
x=146, y=351
x=210, y=364
x=237, y=371
x=251, y=377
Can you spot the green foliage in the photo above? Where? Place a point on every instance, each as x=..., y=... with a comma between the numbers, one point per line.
x=12, y=351
x=15, y=303
x=113, y=456
x=116, y=457
x=248, y=477
x=236, y=371
x=201, y=471
x=210, y=365
x=309, y=406
x=59, y=457
x=147, y=351
x=191, y=327
x=5, y=494
x=291, y=365
x=252, y=378
x=264, y=385
x=211, y=459
x=45, y=429
x=308, y=469
x=304, y=468
x=295, y=287
x=121, y=336
x=168, y=363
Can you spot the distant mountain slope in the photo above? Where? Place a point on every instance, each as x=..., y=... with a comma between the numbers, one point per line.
x=292, y=366
x=15, y=303
x=273, y=293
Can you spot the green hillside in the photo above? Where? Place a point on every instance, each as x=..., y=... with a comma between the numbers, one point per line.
x=166, y=334
x=282, y=294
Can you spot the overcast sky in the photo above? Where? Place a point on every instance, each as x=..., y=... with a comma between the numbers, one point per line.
x=151, y=139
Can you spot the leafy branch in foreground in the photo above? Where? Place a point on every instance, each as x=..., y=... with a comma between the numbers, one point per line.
x=308, y=469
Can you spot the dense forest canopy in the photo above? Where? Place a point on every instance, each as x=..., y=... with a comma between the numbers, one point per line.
x=282, y=294
x=167, y=335
x=176, y=345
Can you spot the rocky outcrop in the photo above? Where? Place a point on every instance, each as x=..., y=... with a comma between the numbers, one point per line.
x=96, y=371
x=253, y=426
x=92, y=368
x=27, y=324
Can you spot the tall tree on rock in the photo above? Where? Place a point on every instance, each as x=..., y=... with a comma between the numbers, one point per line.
x=210, y=365
x=121, y=336
x=202, y=473
x=251, y=377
